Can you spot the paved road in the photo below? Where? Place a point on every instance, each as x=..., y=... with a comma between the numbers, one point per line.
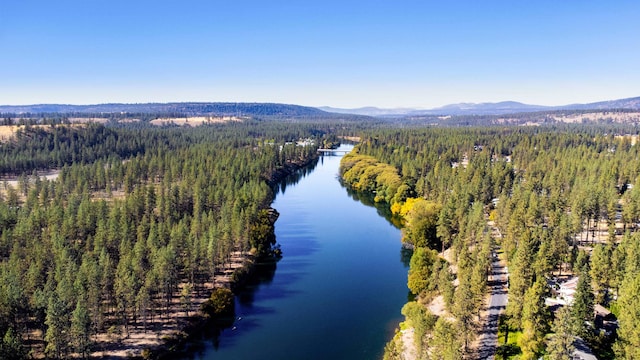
x=488, y=339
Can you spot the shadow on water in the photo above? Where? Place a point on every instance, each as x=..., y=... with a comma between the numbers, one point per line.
x=259, y=280
x=405, y=256
x=295, y=177
x=213, y=330
x=262, y=281
x=383, y=209
x=263, y=274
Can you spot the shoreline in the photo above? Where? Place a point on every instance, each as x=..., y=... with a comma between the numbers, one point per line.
x=168, y=336
x=165, y=334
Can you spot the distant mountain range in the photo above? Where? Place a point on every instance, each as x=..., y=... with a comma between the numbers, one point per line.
x=369, y=111
x=175, y=109
x=499, y=108
x=297, y=111
x=629, y=103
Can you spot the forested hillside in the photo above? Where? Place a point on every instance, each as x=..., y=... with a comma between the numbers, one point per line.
x=133, y=229
x=142, y=114
x=557, y=202
x=184, y=109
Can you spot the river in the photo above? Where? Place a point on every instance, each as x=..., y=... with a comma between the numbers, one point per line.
x=338, y=289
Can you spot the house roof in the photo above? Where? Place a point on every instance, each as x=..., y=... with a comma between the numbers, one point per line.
x=582, y=350
x=601, y=310
x=570, y=284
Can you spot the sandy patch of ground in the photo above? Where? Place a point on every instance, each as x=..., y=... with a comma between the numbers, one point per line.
x=103, y=195
x=80, y=120
x=618, y=117
x=355, y=139
x=7, y=132
x=633, y=138
x=194, y=121
x=12, y=181
x=409, y=351
x=578, y=118
x=448, y=256
x=599, y=234
x=44, y=175
x=406, y=338
x=438, y=308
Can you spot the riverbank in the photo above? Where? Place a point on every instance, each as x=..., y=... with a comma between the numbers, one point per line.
x=170, y=329
x=288, y=169
x=166, y=332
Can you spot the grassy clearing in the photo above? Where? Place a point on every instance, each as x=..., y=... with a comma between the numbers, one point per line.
x=194, y=121
x=509, y=349
x=7, y=132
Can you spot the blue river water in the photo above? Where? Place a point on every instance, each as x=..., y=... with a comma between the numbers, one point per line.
x=338, y=290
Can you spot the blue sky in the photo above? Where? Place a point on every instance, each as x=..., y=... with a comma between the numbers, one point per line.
x=336, y=53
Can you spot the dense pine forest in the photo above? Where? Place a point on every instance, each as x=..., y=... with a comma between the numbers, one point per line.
x=554, y=203
x=108, y=232
x=137, y=223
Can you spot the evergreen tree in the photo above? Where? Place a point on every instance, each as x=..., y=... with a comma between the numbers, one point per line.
x=11, y=347
x=464, y=309
x=446, y=344
x=421, y=320
x=628, y=344
x=57, y=322
x=582, y=306
x=534, y=320
x=560, y=344
x=601, y=272
x=520, y=279
x=81, y=329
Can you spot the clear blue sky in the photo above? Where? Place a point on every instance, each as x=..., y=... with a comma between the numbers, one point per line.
x=337, y=53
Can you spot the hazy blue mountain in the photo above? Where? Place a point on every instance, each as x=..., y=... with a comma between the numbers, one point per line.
x=297, y=111
x=503, y=107
x=452, y=109
x=369, y=111
x=628, y=103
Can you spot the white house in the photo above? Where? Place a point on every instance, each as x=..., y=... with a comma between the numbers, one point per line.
x=568, y=289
